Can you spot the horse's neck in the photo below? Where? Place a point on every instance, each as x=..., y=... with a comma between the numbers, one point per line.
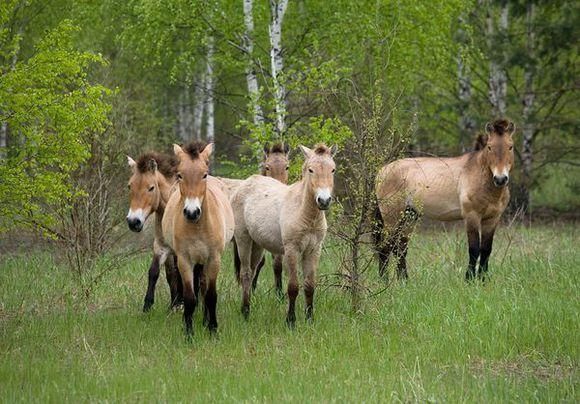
x=309, y=212
x=165, y=190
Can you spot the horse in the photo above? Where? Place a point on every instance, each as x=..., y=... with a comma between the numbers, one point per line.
x=286, y=220
x=472, y=187
x=150, y=185
x=198, y=223
x=275, y=164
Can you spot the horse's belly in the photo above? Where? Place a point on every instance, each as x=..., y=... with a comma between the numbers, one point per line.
x=439, y=207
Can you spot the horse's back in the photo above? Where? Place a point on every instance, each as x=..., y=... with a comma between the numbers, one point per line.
x=256, y=203
x=427, y=184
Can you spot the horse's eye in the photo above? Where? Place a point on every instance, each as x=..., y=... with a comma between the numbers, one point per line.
x=205, y=175
x=267, y=168
x=310, y=170
x=151, y=188
x=333, y=170
x=179, y=176
x=129, y=187
x=287, y=168
x=511, y=148
x=489, y=148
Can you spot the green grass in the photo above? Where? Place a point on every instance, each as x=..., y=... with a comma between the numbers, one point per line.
x=436, y=338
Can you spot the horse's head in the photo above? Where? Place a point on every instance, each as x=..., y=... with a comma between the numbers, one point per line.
x=144, y=194
x=275, y=163
x=192, y=177
x=498, y=149
x=318, y=173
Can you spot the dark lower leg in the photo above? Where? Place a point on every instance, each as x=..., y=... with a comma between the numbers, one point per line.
x=153, y=276
x=402, y=255
x=173, y=280
x=257, y=273
x=292, y=294
x=210, y=307
x=485, y=252
x=309, y=298
x=384, y=253
x=277, y=266
x=473, y=241
x=189, y=303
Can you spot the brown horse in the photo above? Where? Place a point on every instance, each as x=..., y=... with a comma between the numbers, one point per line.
x=275, y=165
x=198, y=222
x=472, y=187
x=150, y=186
x=288, y=220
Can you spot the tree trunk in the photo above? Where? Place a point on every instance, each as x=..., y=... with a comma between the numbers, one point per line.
x=251, y=78
x=209, y=88
x=497, y=74
x=199, y=102
x=527, y=112
x=466, y=121
x=277, y=11
x=184, y=115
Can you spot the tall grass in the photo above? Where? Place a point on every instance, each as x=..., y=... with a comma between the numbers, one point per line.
x=435, y=338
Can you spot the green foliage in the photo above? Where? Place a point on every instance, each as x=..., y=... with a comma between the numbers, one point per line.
x=50, y=107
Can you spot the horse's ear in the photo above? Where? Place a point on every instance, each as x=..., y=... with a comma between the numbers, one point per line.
x=266, y=149
x=511, y=128
x=333, y=150
x=308, y=153
x=177, y=150
x=131, y=163
x=207, y=151
x=489, y=128
x=152, y=165
x=286, y=149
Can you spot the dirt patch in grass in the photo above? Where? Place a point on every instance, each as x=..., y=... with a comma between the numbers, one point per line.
x=524, y=367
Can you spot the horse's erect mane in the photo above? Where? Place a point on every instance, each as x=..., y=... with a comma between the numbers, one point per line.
x=322, y=149
x=194, y=149
x=277, y=148
x=500, y=126
x=166, y=164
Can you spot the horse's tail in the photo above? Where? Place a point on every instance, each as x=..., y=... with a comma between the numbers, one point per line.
x=237, y=262
x=377, y=227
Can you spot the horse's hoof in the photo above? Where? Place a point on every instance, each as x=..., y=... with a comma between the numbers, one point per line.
x=280, y=295
x=246, y=312
x=147, y=305
x=291, y=321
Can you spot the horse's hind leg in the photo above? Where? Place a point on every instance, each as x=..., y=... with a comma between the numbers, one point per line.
x=487, y=231
x=278, y=267
x=309, y=266
x=189, y=297
x=174, y=281
x=210, y=296
x=402, y=256
x=197, y=284
x=410, y=217
x=152, y=281
x=244, y=245
x=291, y=261
x=257, y=272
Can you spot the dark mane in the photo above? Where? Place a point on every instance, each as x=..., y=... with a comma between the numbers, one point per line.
x=480, y=142
x=194, y=149
x=277, y=148
x=500, y=126
x=166, y=164
x=321, y=149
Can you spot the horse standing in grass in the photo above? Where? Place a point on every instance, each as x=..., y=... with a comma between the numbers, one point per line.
x=275, y=165
x=150, y=185
x=472, y=187
x=199, y=222
x=287, y=220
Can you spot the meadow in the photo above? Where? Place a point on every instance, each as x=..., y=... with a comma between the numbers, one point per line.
x=515, y=338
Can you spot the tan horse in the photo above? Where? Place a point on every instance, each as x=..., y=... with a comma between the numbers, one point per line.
x=472, y=187
x=199, y=222
x=288, y=220
x=150, y=186
x=275, y=164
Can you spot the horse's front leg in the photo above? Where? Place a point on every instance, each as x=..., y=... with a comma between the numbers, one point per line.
x=309, y=267
x=277, y=266
x=210, y=275
x=290, y=261
x=189, y=297
x=152, y=281
x=487, y=231
x=472, y=224
x=174, y=281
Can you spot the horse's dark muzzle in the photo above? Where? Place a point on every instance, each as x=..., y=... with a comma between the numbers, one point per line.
x=500, y=180
x=192, y=215
x=135, y=225
x=323, y=204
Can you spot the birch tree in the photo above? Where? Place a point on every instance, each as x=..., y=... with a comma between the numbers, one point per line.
x=466, y=121
x=251, y=78
x=209, y=89
x=497, y=73
x=277, y=11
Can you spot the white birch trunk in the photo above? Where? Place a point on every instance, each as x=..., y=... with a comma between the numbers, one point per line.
x=209, y=88
x=277, y=11
x=466, y=121
x=251, y=78
x=184, y=111
x=199, y=102
x=497, y=74
x=528, y=103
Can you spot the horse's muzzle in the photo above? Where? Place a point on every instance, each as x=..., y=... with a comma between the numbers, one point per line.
x=323, y=203
x=192, y=215
x=500, y=180
x=134, y=224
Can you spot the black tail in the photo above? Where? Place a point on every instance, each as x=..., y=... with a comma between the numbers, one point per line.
x=378, y=228
x=237, y=262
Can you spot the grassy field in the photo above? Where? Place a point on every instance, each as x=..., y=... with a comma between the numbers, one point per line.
x=436, y=338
